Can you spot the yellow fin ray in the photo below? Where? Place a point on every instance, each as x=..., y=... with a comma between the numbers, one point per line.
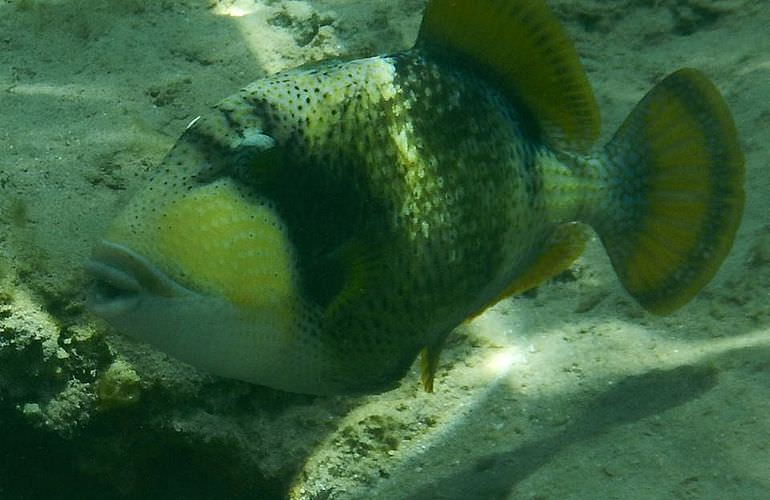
x=680, y=147
x=524, y=49
x=362, y=266
x=564, y=246
x=429, y=357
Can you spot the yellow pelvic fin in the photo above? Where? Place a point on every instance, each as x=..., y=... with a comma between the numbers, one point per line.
x=564, y=246
x=680, y=196
x=429, y=358
x=523, y=48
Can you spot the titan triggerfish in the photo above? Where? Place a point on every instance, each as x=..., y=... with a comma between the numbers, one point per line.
x=318, y=230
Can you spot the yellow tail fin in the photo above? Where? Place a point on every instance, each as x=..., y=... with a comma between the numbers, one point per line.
x=679, y=197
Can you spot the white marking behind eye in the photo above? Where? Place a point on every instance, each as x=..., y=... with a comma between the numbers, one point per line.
x=193, y=122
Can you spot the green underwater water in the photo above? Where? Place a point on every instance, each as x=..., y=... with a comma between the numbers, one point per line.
x=570, y=391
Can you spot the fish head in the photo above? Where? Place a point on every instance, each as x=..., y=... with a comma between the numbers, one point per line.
x=203, y=269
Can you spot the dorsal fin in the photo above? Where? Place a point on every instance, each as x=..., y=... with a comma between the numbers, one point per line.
x=522, y=46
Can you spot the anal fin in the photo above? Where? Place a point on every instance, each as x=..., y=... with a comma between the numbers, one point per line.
x=564, y=246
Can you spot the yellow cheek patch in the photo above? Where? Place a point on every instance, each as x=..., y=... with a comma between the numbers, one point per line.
x=217, y=241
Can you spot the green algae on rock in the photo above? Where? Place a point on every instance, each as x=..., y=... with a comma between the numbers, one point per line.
x=118, y=386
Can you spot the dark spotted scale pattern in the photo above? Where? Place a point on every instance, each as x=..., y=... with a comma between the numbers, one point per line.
x=411, y=190
x=411, y=193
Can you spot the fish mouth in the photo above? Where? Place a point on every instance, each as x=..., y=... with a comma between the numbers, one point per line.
x=121, y=278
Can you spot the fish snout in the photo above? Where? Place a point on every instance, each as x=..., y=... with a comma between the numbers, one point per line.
x=121, y=278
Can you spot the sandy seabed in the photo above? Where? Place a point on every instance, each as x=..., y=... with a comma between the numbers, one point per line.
x=572, y=392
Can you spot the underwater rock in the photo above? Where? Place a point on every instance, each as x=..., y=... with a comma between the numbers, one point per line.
x=118, y=386
x=40, y=368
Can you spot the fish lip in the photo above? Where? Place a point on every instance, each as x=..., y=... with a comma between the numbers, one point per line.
x=114, y=292
x=121, y=278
